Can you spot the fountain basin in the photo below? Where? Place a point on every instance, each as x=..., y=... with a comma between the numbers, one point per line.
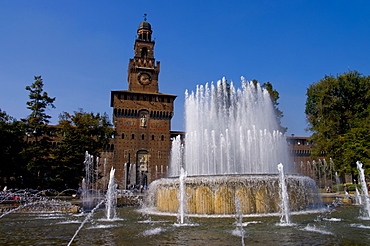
x=257, y=194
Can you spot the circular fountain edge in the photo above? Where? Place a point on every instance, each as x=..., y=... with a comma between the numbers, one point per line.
x=216, y=194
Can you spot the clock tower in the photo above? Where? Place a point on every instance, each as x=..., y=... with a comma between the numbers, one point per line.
x=142, y=119
x=143, y=70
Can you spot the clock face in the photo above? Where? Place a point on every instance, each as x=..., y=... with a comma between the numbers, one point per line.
x=144, y=79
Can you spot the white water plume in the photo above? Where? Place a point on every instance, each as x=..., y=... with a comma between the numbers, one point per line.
x=231, y=131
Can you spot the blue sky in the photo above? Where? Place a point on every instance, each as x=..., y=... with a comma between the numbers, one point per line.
x=82, y=48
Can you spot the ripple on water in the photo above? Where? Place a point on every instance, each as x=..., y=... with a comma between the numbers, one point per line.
x=360, y=226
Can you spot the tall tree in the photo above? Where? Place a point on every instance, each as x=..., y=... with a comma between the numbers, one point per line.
x=39, y=151
x=79, y=133
x=11, y=145
x=338, y=114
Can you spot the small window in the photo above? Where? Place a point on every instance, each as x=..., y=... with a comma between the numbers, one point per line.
x=144, y=52
x=142, y=137
x=123, y=136
x=133, y=136
x=162, y=138
x=152, y=137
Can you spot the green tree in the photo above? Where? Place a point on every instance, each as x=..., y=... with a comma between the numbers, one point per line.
x=338, y=114
x=79, y=133
x=38, y=153
x=11, y=145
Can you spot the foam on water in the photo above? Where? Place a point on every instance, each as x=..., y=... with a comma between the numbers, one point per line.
x=102, y=226
x=238, y=232
x=70, y=222
x=244, y=224
x=152, y=221
x=316, y=229
x=111, y=220
x=153, y=231
x=153, y=211
x=333, y=219
x=185, y=224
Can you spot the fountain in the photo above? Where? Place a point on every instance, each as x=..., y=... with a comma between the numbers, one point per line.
x=358, y=199
x=365, y=212
x=233, y=145
x=337, y=181
x=285, y=211
x=111, y=197
x=182, y=196
x=239, y=220
x=91, y=195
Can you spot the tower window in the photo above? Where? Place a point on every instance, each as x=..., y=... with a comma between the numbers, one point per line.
x=144, y=52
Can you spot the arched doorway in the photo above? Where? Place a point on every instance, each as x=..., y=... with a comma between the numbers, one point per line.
x=143, y=168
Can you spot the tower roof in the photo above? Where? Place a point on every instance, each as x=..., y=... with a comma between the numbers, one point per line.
x=145, y=25
x=144, y=31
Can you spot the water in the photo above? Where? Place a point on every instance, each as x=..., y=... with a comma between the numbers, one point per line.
x=358, y=198
x=111, y=197
x=341, y=226
x=91, y=195
x=366, y=201
x=88, y=193
x=231, y=131
x=239, y=221
x=337, y=181
x=182, y=196
x=87, y=218
x=284, y=205
x=22, y=207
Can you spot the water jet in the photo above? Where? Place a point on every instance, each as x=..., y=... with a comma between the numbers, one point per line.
x=365, y=212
